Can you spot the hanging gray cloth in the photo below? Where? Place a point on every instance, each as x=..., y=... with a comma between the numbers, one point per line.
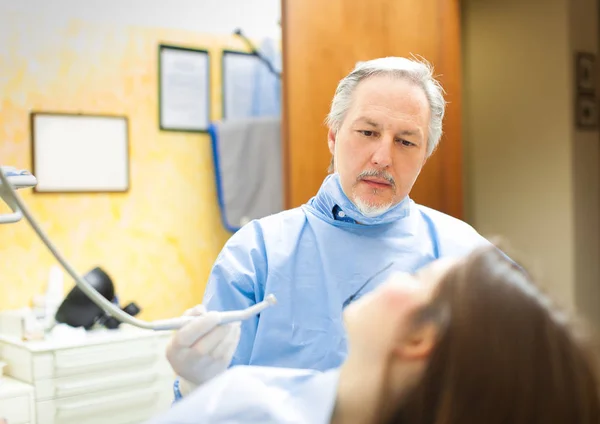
x=248, y=169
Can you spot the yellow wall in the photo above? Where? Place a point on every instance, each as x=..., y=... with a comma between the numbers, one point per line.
x=531, y=177
x=158, y=241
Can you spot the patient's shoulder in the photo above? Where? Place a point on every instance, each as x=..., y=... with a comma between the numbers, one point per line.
x=258, y=395
x=251, y=393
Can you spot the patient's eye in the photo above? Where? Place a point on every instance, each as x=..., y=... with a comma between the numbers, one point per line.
x=367, y=133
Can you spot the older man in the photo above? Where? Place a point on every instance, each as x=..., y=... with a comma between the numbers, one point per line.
x=385, y=122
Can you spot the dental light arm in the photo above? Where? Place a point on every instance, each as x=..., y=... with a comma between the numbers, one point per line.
x=11, y=179
x=19, y=179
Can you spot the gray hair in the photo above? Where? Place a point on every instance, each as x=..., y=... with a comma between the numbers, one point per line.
x=419, y=72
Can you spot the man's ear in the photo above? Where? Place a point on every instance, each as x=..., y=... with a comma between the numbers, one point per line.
x=331, y=141
x=419, y=343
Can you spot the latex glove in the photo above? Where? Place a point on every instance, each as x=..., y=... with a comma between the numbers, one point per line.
x=202, y=349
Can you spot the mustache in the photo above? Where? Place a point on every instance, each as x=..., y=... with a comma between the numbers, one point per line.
x=378, y=174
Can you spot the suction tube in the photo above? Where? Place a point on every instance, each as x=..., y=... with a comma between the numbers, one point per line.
x=24, y=179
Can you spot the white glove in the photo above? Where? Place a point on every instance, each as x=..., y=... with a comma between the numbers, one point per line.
x=202, y=349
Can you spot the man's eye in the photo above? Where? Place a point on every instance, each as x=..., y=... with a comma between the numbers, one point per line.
x=407, y=143
x=367, y=133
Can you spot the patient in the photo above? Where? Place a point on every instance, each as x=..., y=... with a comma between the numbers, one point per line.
x=467, y=341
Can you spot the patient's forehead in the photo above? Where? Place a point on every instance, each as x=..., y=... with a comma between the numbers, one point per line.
x=419, y=284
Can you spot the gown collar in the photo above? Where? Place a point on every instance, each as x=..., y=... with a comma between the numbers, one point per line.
x=331, y=196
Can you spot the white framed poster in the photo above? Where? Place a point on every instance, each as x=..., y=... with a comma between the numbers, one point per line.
x=184, y=89
x=80, y=153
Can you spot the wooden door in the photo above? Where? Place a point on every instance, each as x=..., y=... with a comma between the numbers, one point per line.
x=322, y=41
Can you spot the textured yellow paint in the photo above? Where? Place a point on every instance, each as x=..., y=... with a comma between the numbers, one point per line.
x=159, y=240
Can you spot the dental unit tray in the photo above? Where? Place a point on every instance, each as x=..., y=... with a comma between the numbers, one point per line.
x=12, y=179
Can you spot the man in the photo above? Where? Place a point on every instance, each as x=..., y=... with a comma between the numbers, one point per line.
x=385, y=122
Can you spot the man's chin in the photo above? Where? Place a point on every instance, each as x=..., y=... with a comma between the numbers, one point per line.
x=370, y=207
x=376, y=200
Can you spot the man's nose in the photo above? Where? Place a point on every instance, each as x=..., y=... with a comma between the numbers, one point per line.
x=382, y=156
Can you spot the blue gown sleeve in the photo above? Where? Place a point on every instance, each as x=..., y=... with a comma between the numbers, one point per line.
x=237, y=281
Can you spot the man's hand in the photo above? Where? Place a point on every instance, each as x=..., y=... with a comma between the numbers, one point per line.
x=202, y=349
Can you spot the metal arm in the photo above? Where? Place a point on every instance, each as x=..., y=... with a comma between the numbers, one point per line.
x=256, y=53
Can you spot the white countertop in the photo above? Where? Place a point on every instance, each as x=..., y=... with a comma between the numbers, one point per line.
x=79, y=338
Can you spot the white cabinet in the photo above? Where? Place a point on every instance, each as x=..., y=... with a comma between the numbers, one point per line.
x=17, y=404
x=108, y=376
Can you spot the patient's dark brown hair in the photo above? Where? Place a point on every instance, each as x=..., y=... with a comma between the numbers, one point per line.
x=504, y=355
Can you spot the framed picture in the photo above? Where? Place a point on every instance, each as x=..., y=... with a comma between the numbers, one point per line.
x=184, y=89
x=239, y=83
x=585, y=72
x=77, y=153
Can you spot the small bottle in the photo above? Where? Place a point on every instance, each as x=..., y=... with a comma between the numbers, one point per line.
x=54, y=291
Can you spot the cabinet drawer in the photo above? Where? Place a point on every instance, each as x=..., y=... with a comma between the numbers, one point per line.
x=16, y=410
x=86, y=359
x=98, y=382
x=115, y=407
x=34, y=361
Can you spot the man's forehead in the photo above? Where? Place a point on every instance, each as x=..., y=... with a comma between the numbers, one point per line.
x=381, y=91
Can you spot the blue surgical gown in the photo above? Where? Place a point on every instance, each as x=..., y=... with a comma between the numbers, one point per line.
x=316, y=259
x=248, y=394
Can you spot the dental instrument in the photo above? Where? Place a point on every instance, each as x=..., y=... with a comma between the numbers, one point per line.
x=12, y=179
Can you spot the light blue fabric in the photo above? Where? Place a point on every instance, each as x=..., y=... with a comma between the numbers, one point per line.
x=258, y=395
x=314, y=265
x=266, y=100
x=250, y=89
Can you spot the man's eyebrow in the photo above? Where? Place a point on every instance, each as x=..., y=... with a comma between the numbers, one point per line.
x=367, y=121
x=370, y=122
x=410, y=132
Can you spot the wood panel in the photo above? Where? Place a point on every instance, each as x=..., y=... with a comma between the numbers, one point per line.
x=322, y=41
